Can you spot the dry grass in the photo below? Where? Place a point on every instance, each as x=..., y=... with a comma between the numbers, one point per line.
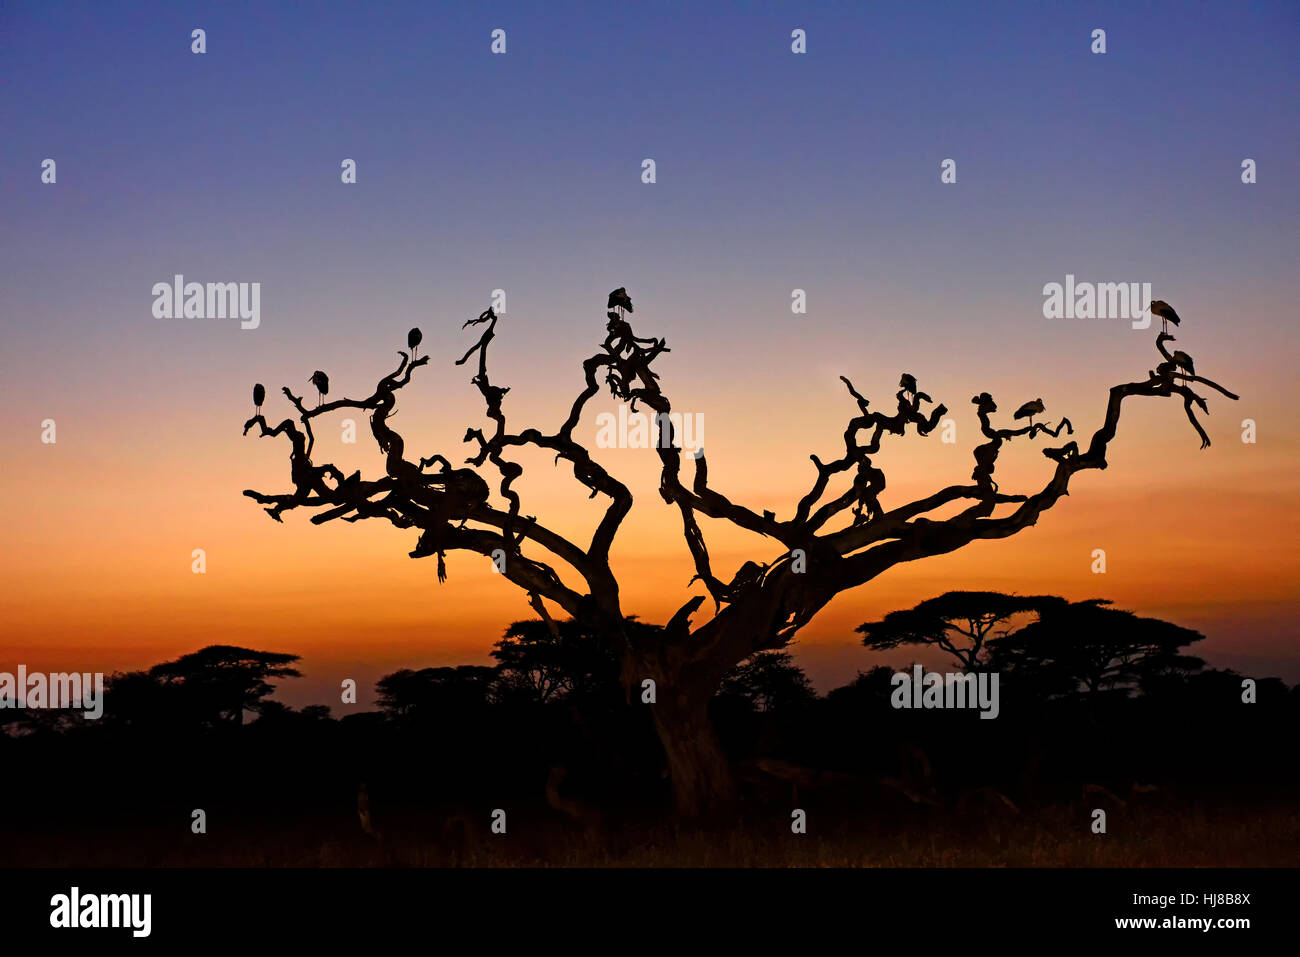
x=1059, y=837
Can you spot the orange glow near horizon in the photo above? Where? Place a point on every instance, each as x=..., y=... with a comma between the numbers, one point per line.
x=100, y=579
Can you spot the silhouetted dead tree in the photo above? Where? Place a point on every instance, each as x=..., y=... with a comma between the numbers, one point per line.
x=762, y=606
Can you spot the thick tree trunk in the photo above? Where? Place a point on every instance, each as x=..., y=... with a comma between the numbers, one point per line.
x=701, y=778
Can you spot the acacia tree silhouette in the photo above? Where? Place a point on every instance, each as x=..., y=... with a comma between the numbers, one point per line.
x=763, y=606
x=972, y=615
x=220, y=682
x=1086, y=647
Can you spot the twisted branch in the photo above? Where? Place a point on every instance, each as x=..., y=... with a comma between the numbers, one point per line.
x=763, y=605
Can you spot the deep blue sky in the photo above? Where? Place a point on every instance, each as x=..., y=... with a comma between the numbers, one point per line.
x=768, y=162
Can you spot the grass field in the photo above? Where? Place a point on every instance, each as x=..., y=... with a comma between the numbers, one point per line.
x=1264, y=836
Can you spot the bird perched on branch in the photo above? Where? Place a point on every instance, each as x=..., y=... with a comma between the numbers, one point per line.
x=1029, y=410
x=322, y=383
x=907, y=382
x=259, y=396
x=1184, y=362
x=1165, y=313
x=413, y=340
x=619, y=299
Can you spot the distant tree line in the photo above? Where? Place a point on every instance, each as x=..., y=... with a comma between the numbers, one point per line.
x=1089, y=693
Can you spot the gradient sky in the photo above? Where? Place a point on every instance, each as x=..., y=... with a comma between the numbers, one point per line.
x=522, y=172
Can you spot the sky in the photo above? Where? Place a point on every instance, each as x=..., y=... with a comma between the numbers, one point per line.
x=522, y=171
